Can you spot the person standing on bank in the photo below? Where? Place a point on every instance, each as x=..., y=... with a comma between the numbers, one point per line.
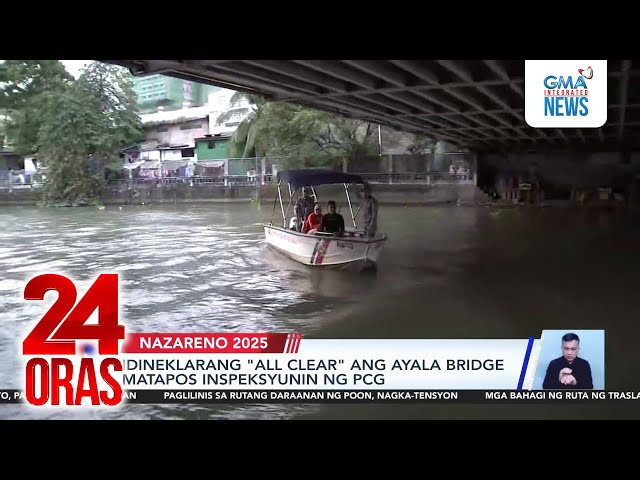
x=569, y=371
x=370, y=209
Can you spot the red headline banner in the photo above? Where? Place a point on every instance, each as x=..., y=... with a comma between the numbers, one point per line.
x=212, y=343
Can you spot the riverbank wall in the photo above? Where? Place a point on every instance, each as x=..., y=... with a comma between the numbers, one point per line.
x=394, y=194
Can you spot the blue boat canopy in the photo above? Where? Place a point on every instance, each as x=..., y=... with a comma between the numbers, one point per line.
x=311, y=177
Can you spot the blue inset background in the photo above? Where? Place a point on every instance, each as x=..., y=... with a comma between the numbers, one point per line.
x=591, y=350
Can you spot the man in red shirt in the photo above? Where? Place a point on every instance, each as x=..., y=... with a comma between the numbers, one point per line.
x=314, y=221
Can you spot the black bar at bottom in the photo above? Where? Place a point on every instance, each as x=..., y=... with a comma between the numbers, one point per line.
x=359, y=396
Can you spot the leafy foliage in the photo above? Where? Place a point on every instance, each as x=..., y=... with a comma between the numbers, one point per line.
x=243, y=140
x=22, y=80
x=23, y=83
x=83, y=129
x=235, y=106
x=298, y=135
x=109, y=89
x=423, y=144
x=67, y=134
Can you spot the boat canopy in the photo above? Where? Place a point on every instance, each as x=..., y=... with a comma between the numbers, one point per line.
x=302, y=178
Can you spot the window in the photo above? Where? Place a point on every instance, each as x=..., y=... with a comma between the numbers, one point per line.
x=191, y=126
x=188, y=152
x=211, y=144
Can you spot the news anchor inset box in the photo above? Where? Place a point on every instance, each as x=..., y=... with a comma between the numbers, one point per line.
x=569, y=360
x=565, y=93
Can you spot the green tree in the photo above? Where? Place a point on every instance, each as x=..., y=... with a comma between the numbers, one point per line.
x=111, y=89
x=84, y=127
x=2, y=131
x=22, y=86
x=303, y=136
x=423, y=144
x=311, y=137
x=243, y=141
x=68, y=135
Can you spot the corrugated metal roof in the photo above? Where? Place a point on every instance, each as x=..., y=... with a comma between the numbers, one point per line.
x=176, y=116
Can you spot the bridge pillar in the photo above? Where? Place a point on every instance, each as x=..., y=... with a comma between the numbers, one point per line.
x=474, y=165
x=345, y=165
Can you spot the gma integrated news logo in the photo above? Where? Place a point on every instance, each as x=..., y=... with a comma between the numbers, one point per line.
x=565, y=93
x=63, y=367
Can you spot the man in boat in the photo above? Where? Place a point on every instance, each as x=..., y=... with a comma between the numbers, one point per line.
x=333, y=222
x=305, y=205
x=296, y=222
x=370, y=209
x=313, y=223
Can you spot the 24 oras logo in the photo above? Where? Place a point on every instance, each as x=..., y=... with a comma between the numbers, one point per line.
x=60, y=363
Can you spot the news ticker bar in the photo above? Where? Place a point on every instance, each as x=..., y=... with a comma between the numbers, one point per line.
x=356, y=396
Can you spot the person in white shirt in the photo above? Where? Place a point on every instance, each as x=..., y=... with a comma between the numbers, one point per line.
x=295, y=223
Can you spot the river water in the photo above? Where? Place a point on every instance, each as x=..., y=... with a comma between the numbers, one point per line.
x=446, y=272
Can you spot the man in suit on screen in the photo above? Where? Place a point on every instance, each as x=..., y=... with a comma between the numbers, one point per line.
x=569, y=371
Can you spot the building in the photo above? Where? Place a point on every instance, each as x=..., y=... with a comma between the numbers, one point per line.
x=177, y=127
x=212, y=147
x=199, y=127
x=212, y=152
x=181, y=126
x=232, y=115
x=159, y=92
x=151, y=160
x=169, y=148
x=183, y=136
x=9, y=161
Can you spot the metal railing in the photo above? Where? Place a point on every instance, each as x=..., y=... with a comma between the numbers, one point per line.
x=196, y=181
x=420, y=178
x=400, y=178
x=7, y=185
x=428, y=178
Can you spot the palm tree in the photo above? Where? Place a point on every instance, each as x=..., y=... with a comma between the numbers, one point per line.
x=287, y=130
x=2, y=130
x=243, y=141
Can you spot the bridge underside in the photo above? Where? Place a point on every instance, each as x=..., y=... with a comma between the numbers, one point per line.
x=475, y=104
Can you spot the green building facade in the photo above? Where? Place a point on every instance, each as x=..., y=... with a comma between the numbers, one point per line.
x=155, y=91
x=216, y=148
x=212, y=148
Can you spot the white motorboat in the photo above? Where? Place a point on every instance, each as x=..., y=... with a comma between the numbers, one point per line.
x=351, y=248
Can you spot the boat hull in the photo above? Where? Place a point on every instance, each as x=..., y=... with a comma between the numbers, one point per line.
x=322, y=250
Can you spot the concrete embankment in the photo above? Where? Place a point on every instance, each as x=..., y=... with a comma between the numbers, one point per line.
x=401, y=194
